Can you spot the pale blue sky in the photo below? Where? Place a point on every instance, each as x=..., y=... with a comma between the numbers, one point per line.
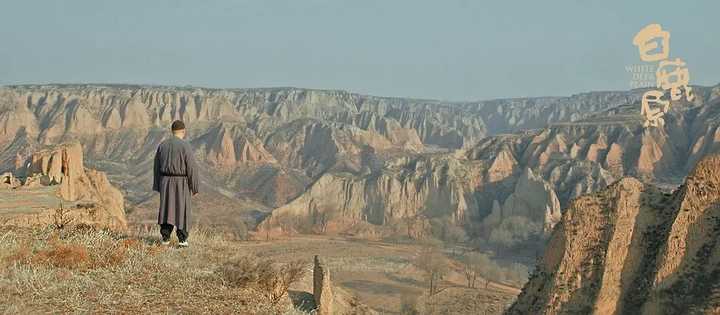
x=449, y=49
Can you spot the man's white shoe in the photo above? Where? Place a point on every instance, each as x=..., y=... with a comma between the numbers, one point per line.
x=183, y=244
x=165, y=243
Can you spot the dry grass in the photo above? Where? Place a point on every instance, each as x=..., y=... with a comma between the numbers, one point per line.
x=460, y=300
x=85, y=270
x=272, y=279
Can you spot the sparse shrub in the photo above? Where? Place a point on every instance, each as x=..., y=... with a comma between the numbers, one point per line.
x=85, y=205
x=275, y=281
x=517, y=274
x=84, y=228
x=241, y=271
x=272, y=279
x=434, y=265
x=473, y=264
x=443, y=229
x=238, y=230
x=493, y=272
x=408, y=304
x=514, y=231
x=61, y=217
x=481, y=265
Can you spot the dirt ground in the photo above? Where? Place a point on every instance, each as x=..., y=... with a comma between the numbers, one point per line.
x=380, y=274
x=24, y=201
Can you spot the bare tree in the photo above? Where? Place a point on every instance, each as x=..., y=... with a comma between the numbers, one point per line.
x=455, y=235
x=470, y=270
x=476, y=265
x=434, y=265
x=410, y=222
x=61, y=217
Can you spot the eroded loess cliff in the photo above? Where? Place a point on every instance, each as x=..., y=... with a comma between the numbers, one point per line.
x=280, y=148
x=416, y=189
x=632, y=249
x=60, y=170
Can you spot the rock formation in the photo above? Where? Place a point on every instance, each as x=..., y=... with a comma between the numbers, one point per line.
x=407, y=188
x=533, y=198
x=399, y=159
x=8, y=180
x=322, y=288
x=62, y=166
x=633, y=249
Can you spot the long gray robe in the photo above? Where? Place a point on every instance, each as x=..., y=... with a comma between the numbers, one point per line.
x=175, y=177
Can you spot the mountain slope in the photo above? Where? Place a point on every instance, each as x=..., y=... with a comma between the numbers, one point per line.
x=268, y=148
x=632, y=249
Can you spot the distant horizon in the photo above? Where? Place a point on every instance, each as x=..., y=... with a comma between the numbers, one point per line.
x=151, y=85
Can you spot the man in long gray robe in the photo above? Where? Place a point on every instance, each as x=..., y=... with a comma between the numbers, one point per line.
x=175, y=177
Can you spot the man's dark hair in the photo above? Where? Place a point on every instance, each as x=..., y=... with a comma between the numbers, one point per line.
x=177, y=125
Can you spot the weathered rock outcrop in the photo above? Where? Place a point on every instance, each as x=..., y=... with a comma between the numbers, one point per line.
x=63, y=166
x=322, y=288
x=632, y=249
x=533, y=198
x=8, y=180
x=425, y=187
x=226, y=147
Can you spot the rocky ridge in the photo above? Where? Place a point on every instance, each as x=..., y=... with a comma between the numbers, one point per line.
x=633, y=249
x=530, y=174
x=385, y=159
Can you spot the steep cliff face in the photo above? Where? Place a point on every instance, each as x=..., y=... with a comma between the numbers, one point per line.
x=226, y=147
x=632, y=249
x=533, y=198
x=316, y=146
x=281, y=138
x=426, y=187
x=273, y=146
x=528, y=176
x=585, y=155
x=48, y=112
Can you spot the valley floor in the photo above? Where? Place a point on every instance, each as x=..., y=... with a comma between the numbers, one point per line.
x=382, y=274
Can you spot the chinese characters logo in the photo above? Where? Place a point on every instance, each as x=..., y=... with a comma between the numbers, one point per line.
x=671, y=76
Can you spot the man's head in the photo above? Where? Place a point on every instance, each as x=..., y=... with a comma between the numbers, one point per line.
x=178, y=129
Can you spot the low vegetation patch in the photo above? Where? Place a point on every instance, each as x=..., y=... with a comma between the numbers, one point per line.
x=271, y=279
x=80, y=269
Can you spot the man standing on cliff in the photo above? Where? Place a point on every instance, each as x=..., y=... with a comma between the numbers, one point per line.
x=175, y=178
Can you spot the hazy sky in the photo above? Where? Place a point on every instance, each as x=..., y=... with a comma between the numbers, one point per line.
x=443, y=49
